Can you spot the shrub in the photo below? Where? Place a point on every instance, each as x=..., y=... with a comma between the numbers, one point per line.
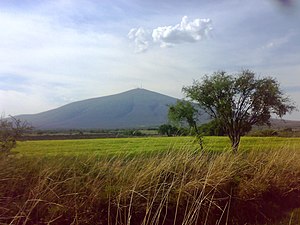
x=212, y=128
x=167, y=129
x=10, y=131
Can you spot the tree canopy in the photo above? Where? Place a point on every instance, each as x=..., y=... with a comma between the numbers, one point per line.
x=239, y=101
x=186, y=112
x=183, y=112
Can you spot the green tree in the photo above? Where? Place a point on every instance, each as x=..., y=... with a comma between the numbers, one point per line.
x=167, y=129
x=184, y=112
x=239, y=101
x=10, y=132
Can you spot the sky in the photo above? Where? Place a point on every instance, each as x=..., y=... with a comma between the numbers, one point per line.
x=60, y=51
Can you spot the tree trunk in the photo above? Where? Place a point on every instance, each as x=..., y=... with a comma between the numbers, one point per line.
x=198, y=136
x=235, y=142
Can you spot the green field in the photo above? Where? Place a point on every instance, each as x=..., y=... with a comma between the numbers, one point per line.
x=112, y=146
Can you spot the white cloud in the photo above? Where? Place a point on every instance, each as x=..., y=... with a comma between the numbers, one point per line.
x=140, y=38
x=167, y=36
x=186, y=31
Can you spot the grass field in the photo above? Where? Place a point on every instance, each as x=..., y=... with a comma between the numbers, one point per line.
x=151, y=181
x=113, y=146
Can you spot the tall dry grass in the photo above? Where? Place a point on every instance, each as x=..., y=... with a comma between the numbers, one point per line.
x=180, y=187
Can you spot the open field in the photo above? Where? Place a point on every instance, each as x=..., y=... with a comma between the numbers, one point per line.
x=151, y=181
x=113, y=146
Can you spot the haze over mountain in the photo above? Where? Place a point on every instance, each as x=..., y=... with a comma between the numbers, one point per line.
x=131, y=109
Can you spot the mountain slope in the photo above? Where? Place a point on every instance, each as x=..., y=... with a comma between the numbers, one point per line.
x=130, y=109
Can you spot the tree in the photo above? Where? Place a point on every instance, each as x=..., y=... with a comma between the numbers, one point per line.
x=185, y=112
x=167, y=129
x=239, y=101
x=10, y=131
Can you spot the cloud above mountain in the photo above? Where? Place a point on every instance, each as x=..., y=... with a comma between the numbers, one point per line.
x=140, y=38
x=169, y=36
x=185, y=31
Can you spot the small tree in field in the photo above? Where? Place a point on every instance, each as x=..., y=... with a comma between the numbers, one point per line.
x=185, y=112
x=239, y=102
x=10, y=131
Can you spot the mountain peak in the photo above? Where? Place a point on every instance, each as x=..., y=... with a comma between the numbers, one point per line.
x=140, y=90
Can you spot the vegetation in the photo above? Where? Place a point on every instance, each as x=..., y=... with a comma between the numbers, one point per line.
x=10, y=131
x=269, y=132
x=212, y=128
x=168, y=129
x=169, y=185
x=239, y=102
x=185, y=112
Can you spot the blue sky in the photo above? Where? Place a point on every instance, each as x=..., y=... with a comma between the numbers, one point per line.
x=56, y=52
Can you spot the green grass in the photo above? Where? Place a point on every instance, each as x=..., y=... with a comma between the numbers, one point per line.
x=106, y=146
x=116, y=146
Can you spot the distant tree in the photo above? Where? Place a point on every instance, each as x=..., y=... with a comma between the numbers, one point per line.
x=131, y=132
x=239, y=101
x=167, y=129
x=10, y=131
x=185, y=112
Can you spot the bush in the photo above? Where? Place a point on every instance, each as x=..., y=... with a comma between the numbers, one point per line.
x=10, y=131
x=212, y=128
x=167, y=129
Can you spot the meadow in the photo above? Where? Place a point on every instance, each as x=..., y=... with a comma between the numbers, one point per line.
x=151, y=181
x=144, y=145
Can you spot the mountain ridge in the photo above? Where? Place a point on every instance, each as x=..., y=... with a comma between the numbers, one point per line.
x=130, y=109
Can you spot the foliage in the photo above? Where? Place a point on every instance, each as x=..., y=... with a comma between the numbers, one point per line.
x=168, y=129
x=239, y=102
x=212, y=128
x=185, y=112
x=10, y=131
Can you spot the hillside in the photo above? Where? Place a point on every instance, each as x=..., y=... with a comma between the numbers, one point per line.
x=131, y=109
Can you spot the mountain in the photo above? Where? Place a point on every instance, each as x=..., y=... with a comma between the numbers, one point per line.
x=131, y=109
